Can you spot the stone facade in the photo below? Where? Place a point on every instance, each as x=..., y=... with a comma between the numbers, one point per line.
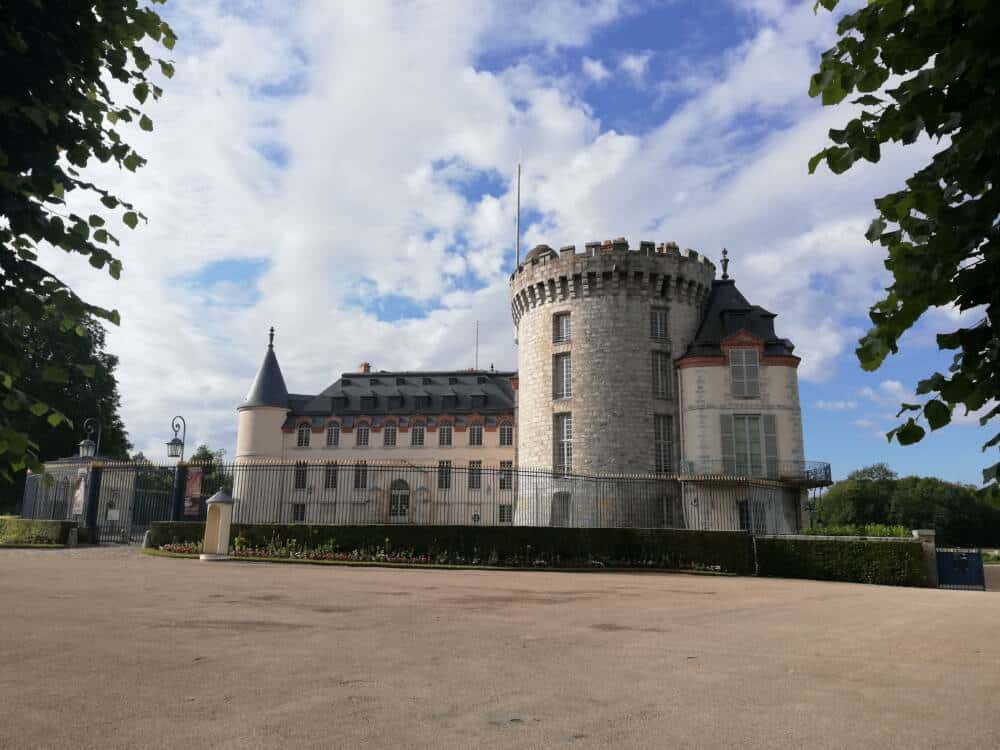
x=609, y=293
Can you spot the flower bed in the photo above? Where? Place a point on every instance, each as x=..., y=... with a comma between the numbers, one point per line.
x=182, y=548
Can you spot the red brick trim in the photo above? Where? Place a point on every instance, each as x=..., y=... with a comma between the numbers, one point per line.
x=702, y=361
x=742, y=339
x=781, y=360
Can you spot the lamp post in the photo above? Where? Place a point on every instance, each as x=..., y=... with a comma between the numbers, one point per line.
x=175, y=446
x=88, y=448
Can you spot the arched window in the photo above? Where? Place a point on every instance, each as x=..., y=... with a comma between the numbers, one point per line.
x=476, y=434
x=302, y=436
x=361, y=439
x=389, y=435
x=444, y=435
x=506, y=434
x=417, y=435
x=333, y=434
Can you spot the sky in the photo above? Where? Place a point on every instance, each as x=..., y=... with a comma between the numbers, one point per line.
x=342, y=171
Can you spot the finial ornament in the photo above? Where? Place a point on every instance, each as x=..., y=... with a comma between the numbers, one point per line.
x=270, y=342
x=725, y=265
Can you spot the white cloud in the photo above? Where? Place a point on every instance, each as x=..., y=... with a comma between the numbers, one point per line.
x=385, y=111
x=635, y=65
x=595, y=69
x=836, y=405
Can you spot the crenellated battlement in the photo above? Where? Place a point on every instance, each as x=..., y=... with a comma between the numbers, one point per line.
x=659, y=272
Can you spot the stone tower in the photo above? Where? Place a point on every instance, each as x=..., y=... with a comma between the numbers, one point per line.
x=597, y=337
x=263, y=412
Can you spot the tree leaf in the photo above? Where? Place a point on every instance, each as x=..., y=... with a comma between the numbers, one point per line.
x=145, y=123
x=937, y=413
x=131, y=219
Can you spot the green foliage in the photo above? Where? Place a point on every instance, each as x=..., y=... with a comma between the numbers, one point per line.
x=886, y=563
x=868, y=529
x=78, y=396
x=941, y=231
x=60, y=62
x=959, y=514
x=27, y=531
x=729, y=552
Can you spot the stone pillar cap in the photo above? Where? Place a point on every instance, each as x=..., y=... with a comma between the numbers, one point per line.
x=222, y=497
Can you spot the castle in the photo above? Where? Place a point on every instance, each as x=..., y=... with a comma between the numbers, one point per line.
x=634, y=362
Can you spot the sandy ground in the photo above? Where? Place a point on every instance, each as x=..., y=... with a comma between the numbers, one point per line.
x=107, y=648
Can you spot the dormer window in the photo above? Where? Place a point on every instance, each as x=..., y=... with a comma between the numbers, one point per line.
x=449, y=401
x=400, y=381
x=302, y=436
x=367, y=402
x=452, y=381
x=427, y=381
x=744, y=372
x=478, y=400
x=421, y=402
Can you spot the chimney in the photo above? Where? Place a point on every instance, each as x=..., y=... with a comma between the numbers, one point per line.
x=365, y=367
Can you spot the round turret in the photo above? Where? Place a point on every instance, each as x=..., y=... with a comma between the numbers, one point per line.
x=597, y=336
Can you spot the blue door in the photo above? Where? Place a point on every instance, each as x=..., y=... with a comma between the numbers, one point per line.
x=960, y=569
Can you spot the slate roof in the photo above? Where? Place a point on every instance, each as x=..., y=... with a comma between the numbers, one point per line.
x=411, y=392
x=268, y=387
x=728, y=312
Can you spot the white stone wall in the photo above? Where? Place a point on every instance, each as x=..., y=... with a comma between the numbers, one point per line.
x=609, y=296
x=258, y=433
x=706, y=393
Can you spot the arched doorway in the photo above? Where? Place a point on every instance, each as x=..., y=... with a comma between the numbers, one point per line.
x=399, y=501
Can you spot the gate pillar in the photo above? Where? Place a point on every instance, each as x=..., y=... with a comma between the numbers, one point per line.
x=219, y=518
x=91, y=524
x=926, y=537
x=180, y=484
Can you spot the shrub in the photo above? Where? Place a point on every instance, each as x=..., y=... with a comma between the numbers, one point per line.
x=858, y=561
x=14, y=530
x=868, y=529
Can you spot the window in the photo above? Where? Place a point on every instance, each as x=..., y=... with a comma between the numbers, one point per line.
x=753, y=516
x=561, y=328
x=562, y=376
x=506, y=434
x=361, y=475
x=452, y=381
x=444, y=435
x=658, y=324
x=562, y=441
x=449, y=401
x=368, y=402
x=330, y=476
x=421, y=402
x=298, y=512
x=478, y=400
x=744, y=373
x=661, y=374
x=389, y=435
x=302, y=436
x=506, y=513
x=333, y=434
x=476, y=434
x=750, y=445
x=417, y=435
x=399, y=500
x=475, y=475
x=444, y=475
x=506, y=475
x=361, y=437
x=662, y=443
x=300, y=475
x=400, y=381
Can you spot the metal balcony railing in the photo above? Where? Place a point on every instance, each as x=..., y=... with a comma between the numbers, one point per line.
x=807, y=473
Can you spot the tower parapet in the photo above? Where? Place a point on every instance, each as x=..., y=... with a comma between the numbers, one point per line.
x=653, y=271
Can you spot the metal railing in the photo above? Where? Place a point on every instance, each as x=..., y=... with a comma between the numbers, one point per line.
x=131, y=496
x=805, y=473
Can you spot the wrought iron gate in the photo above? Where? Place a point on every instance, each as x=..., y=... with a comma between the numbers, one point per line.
x=960, y=569
x=130, y=500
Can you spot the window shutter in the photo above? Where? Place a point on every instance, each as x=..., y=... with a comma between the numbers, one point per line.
x=771, y=445
x=737, y=373
x=751, y=371
x=728, y=445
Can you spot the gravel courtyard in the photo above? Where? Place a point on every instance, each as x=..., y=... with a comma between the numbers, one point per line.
x=106, y=648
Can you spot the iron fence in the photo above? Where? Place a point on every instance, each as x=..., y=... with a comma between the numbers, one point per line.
x=132, y=496
x=803, y=473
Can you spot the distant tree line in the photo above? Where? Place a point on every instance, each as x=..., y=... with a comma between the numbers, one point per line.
x=960, y=514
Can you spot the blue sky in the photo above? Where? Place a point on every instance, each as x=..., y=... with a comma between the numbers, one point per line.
x=343, y=172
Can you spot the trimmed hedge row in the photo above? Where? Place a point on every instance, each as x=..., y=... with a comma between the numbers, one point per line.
x=852, y=560
x=730, y=552
x=14, y=530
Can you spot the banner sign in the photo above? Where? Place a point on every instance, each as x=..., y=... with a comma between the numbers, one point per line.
x=192, y=492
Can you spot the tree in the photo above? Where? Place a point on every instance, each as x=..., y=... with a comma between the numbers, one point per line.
x=64, y=65
x=928, y=68
x=79, y=397
x=205, y=455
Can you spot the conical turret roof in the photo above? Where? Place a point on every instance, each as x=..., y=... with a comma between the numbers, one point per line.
x=268, y=387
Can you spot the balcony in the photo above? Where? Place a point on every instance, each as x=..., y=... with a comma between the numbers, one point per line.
x=800, y=473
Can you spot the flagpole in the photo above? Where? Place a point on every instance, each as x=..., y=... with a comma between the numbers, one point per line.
x=517, y=219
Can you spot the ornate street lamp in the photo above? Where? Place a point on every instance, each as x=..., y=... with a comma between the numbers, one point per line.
x=88, y=448
x=175, y=446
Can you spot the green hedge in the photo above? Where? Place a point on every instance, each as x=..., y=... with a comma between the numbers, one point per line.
x=730, y=552
x=14, y=530
x=858, y=561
